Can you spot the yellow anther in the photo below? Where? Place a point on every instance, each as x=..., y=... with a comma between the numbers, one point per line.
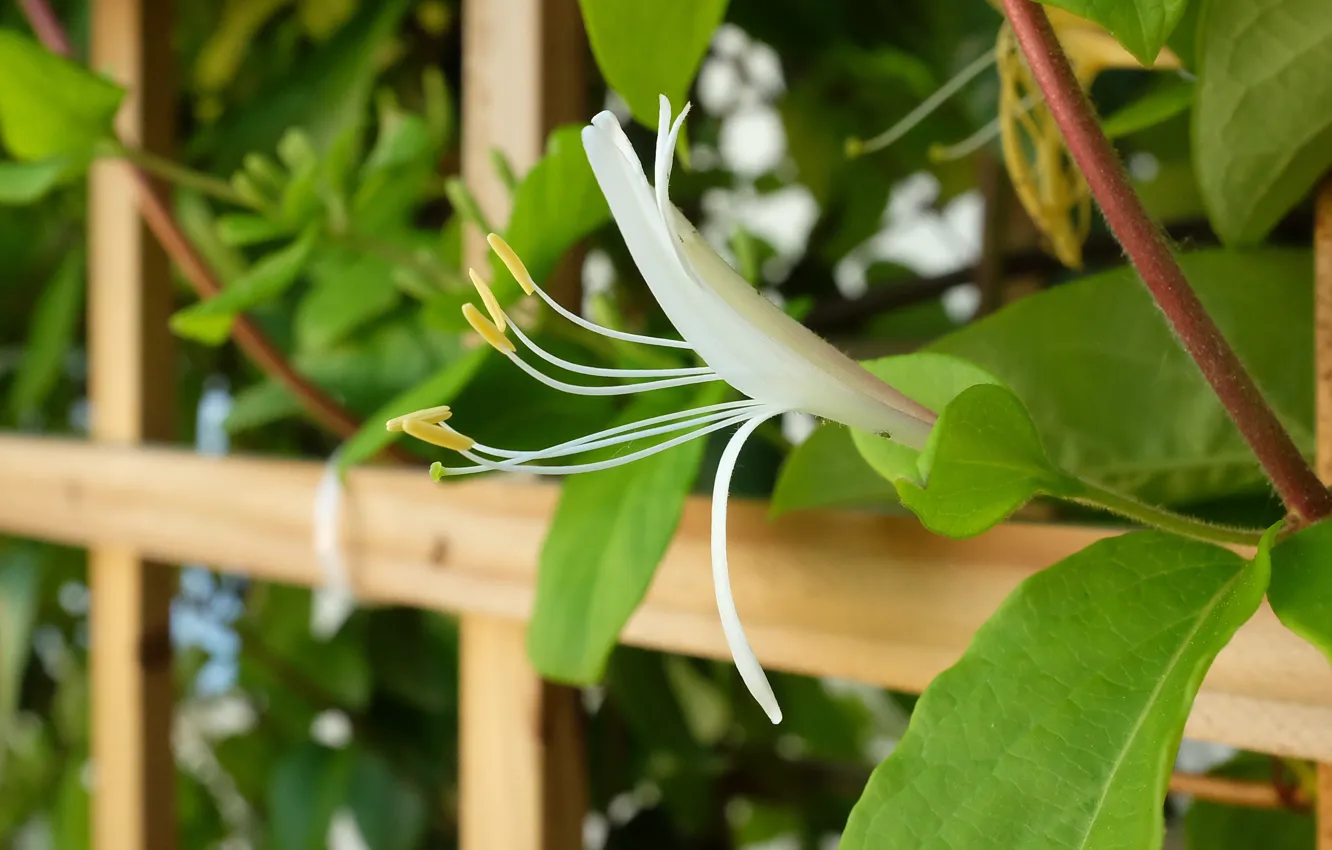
x=487, y=329
x=430, y=414
x=511, y=262
x=438, y=434
x=487, y=296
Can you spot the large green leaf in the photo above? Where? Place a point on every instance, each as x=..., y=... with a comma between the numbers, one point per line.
x=1301, y=591
x=650, y=47
x=50, y=106
x=1058, y=726
x=558, y=203
x=1142, y=26
x=1214, y=826
x=210, y=321
x=826, y=471
x=1262, y=126
x=1118, y=402
x=50, y=336
x=608, y=534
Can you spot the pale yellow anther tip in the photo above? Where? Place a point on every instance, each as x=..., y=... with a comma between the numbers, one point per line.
x=488, y=297
x=437, y=435
x=510, y=259
x=487, y=330
x=429, y=414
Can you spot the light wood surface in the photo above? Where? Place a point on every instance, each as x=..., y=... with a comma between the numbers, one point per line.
x=522, y=776
x=130, y=389
x=876, y=599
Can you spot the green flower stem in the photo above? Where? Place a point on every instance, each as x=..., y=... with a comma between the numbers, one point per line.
x=1096, y=496
x=180, y=175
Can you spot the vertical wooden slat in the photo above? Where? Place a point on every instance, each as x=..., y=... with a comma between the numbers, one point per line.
x=523, y=780
x=1323, y=396
x=130, y=355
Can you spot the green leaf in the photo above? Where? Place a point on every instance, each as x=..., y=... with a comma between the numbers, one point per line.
x=1213, y=826
x=50, y=106
x=609, y=531
x=242, y=229
x=347, y=290
x=558, y=203
x=25, y=182
x=71, y=827
x=826, y=471
x=390, y=813
x=1058, y=727
x=1262, y=127
x=1301, y=591
x=1162, y=102
x=931, y=379
x=260, y=404
x=210, y=321
x=650, y=48
x=324, y=96
x=20, y=579
x=307, y=786
x=439, y=388
x=51, y=335
x=983, y=461
x=1142, y=26
x=1116, y=400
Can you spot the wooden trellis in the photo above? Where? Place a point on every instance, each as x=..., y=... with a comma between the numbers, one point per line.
x=868, y=598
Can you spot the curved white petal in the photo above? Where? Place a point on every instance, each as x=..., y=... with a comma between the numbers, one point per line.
x=751, y=344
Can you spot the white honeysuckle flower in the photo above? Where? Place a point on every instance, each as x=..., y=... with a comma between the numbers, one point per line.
x=775, y=362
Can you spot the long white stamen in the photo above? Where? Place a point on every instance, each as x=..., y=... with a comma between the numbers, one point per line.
x=929, y=104
x=623, y=336
x=694, y=413
x=745, y=660
x=484, y=465
x=606, y=442
x=613, y=389
x=602, y=372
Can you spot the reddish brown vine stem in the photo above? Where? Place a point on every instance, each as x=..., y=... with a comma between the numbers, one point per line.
x=1150, y=254
x=252, y=341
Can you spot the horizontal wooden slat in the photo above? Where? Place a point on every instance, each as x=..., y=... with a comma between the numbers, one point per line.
x=855, y=596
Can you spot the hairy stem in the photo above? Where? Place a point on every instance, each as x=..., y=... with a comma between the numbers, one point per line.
x=1154, y=517
x=153, y=208
x=1150, y=254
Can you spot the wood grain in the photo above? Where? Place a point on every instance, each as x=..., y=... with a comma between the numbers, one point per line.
x=131, y=356
x=875, y=599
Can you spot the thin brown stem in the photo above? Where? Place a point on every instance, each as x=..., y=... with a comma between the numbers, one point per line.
x=252, y=341
x=1150, y=254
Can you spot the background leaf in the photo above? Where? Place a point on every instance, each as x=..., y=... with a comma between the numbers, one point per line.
x=1262, y=127
x=650, y=48
x=609, y=531
x=50, y=106
x=1117, y=401
x=25, y=182
x=50, y=337
x=1142, y=26
x=1213, y=826
x=210, y=321
x=1058, y=727
x=826, y=471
